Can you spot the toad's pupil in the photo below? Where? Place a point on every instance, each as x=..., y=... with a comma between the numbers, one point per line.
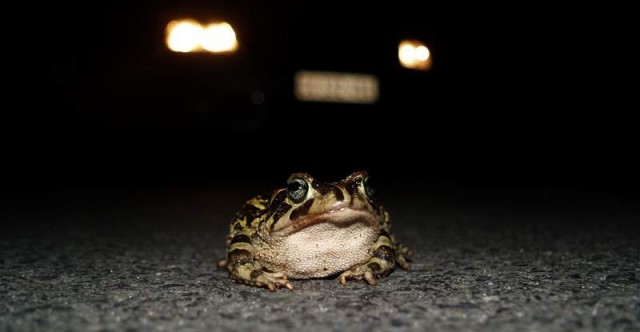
x=369, y=189
x=294, y=186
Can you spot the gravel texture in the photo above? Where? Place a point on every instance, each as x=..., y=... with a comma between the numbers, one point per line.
x=484, y=262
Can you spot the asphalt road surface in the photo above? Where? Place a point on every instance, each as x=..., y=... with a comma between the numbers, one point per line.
x=486, y=260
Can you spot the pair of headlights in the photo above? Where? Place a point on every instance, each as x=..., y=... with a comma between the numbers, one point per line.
x=191, y=36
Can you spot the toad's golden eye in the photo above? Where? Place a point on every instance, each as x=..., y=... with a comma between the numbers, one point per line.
x=369, y=189
x=297, y=189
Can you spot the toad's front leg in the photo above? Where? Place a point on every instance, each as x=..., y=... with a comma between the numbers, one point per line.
x=385, y=255
x=245, y=269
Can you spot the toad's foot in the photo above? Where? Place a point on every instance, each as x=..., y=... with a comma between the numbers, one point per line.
x=269, y=280
x=369, y=272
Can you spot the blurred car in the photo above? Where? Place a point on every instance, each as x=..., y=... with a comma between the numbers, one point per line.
x=130, y=78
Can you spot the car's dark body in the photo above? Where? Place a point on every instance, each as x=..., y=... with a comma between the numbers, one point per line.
x=131, y=79
x=502, y=102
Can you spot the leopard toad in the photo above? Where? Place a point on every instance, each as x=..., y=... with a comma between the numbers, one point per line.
x=312, y=229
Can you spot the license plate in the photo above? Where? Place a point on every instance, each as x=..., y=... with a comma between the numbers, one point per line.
x=336, y=87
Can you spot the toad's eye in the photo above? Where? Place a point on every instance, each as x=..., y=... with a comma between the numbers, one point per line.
x=297, y=190
x=369, y=189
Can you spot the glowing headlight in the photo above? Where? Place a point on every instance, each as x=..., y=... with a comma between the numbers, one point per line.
x=190, y=36
x=184, y=36
x=414, y=55
x=219, y=37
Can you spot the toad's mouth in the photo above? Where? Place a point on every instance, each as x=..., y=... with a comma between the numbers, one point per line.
x=342, y=217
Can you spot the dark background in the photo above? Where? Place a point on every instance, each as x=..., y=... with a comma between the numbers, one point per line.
x=517, y=96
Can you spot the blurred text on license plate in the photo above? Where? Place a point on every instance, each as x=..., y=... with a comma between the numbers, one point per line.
x=335, y=87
